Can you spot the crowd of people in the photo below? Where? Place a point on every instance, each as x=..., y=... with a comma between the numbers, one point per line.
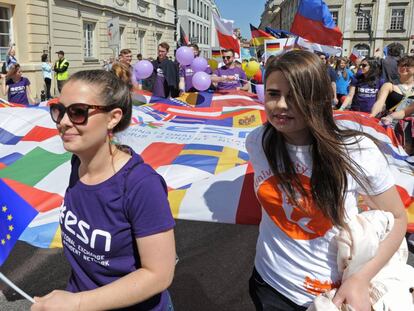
x=315, y=171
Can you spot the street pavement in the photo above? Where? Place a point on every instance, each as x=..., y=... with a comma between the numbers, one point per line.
x=212, y=274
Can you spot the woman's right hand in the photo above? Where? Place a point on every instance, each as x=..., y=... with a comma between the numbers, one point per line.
x=58, y=300
x=387, y=120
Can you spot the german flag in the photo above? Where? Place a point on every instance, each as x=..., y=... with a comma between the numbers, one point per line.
x=259, y=36
x=216, y=54
x=273, y=47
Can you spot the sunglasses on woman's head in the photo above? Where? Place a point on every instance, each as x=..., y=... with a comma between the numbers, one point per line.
x=78, y=113
x=226, y=57
x=363, y=65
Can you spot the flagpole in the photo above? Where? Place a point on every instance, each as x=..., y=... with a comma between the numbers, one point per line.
x=12, y=285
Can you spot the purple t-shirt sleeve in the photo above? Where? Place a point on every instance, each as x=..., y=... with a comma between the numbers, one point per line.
x=147, y=206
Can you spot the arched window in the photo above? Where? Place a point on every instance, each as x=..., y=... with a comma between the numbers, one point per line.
x=363, y=49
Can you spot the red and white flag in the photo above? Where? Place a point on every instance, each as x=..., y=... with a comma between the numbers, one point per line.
x=355, y=54
x=226, y=38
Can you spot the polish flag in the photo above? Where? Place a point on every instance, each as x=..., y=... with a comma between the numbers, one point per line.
x=354, y=55
x=226, y=38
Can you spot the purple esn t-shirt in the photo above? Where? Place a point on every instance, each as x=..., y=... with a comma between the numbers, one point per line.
x=187, y=73
x=100, y=224
x=17, y=91
x=236, y=71
x=365, y=94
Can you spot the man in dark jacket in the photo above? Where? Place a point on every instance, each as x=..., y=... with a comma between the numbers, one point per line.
x=164, y=79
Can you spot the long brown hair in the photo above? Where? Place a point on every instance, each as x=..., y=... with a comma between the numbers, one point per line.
x=12, y=71
x=339, y=71
x=311, y=93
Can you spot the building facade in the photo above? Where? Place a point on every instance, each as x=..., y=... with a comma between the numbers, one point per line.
x=367, y=25
x=195, y=17
x=79, y=28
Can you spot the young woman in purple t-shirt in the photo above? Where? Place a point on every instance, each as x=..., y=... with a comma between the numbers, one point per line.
x=17, y=87
x=364, y=86
x=117, y=227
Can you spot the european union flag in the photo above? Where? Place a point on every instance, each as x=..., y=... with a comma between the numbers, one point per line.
x=15, y=216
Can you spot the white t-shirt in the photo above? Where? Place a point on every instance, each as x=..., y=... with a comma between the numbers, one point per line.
x=296, y=251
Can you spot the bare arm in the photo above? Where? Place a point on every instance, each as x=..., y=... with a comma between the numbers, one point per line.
x=348, y=98
x=29, y=95
x=181, y=85
x=383, y=93
x=335, y=99
x=157, y=254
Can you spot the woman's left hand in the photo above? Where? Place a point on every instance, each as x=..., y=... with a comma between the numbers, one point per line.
x=354, y=292
x=57, y=300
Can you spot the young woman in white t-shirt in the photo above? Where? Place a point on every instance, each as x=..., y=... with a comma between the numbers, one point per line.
x=308, y=175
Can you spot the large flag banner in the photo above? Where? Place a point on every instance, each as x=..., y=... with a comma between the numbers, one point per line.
x=313, y=22
x=226, y=38
x=259, y=36
x=196, y=142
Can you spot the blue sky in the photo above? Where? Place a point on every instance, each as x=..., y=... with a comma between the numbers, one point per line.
x=242, y=12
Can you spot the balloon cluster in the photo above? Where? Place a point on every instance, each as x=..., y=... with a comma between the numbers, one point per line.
x=201, y=80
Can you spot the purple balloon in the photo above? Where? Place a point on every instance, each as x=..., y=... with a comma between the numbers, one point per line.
x=201, y=80
x=199, y=64
x=185, y=55
x=260, y=92
x=143, y=69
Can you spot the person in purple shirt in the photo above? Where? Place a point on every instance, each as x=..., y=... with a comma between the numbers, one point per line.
x=229, y=77
x=17, y=87
x=186, y=73
x=116, y=223
x=364, y=86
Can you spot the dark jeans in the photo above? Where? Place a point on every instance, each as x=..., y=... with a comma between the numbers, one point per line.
x=266, y=298
x=60, y=85
x=48, y=83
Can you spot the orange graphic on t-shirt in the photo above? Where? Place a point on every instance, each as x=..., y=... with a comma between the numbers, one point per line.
x=317, y=287
x=305, y=222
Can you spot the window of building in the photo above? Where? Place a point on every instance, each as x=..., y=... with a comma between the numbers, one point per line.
x=141, y=41
x=335, y=17
x=363, y=49
x=198, y=7
x=88, y=40
x=208, y=36
x=190, y=33
x=189, y=5
x=362, y=22
x=208, y=13
x=122, y=36
x=5, y=31
x=193, y=30
x=397, y=19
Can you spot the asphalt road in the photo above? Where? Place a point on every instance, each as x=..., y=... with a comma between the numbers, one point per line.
x=212, y=274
